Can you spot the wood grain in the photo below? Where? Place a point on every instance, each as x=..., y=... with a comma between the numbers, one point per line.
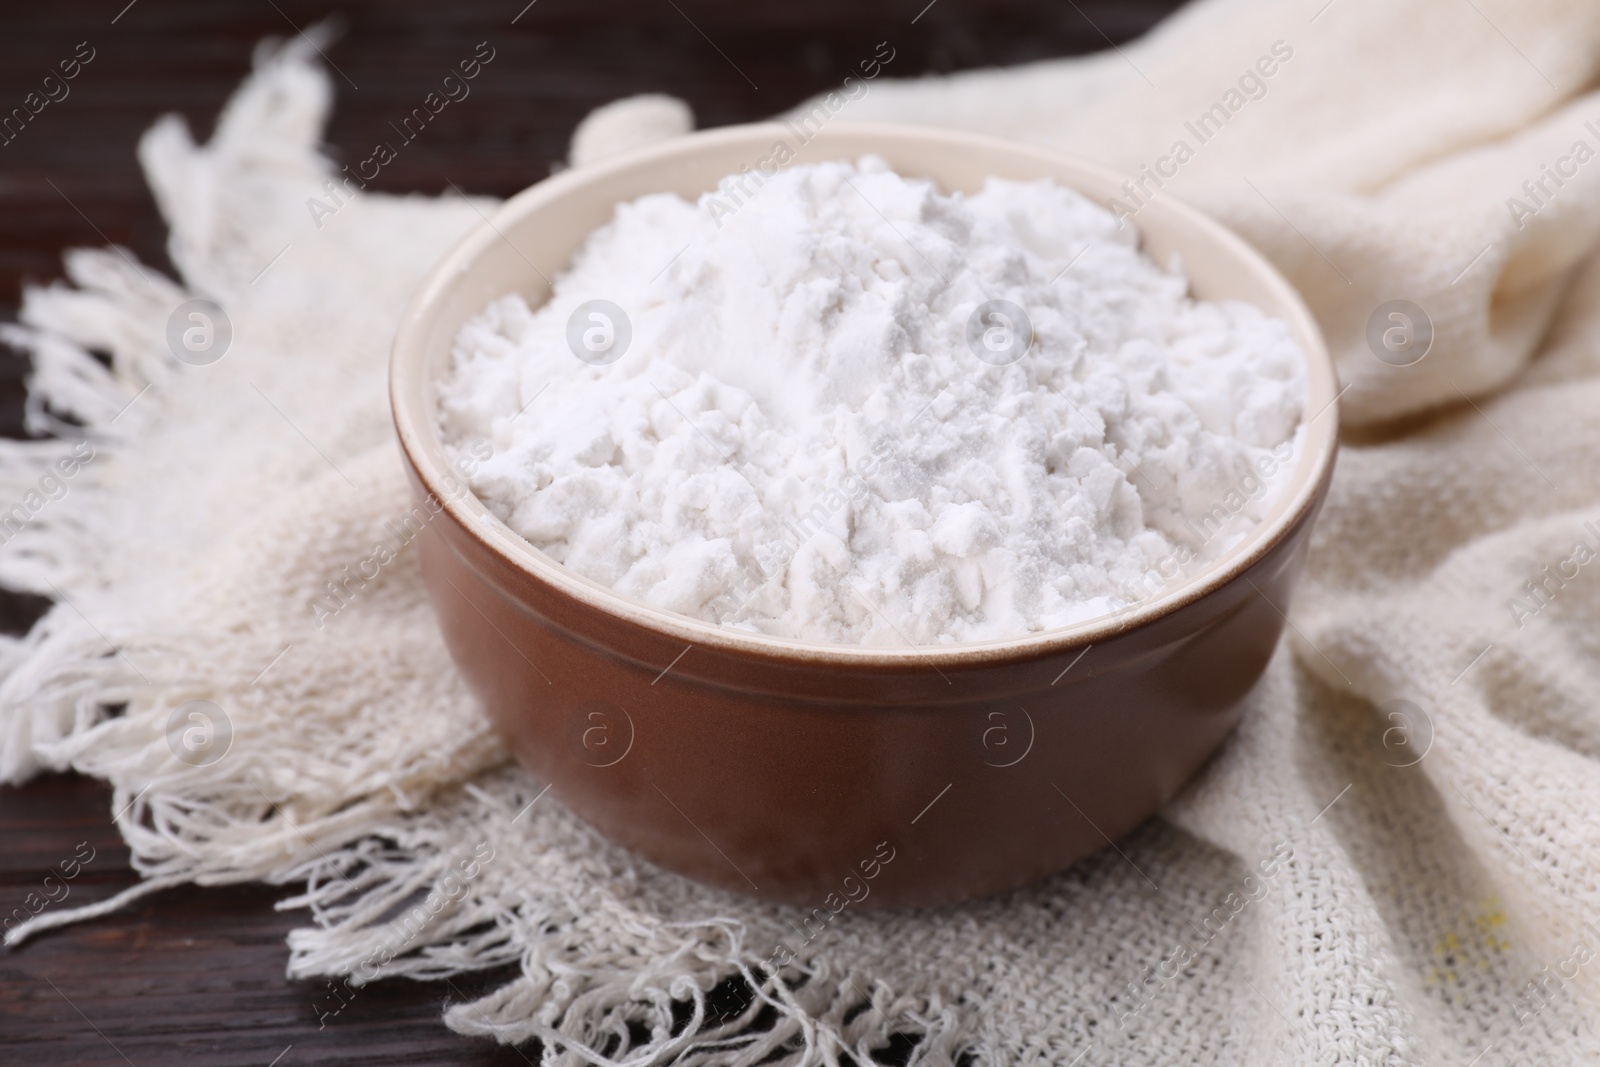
x=196, y=976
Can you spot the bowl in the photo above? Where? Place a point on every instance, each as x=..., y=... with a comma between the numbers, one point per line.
x=831, y=775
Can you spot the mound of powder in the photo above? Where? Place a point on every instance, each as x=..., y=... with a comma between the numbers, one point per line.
x=815, y=423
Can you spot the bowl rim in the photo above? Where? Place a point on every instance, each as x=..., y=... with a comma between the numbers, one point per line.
x=412, y=406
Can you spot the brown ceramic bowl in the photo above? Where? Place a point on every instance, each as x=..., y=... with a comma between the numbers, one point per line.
x=810, y=773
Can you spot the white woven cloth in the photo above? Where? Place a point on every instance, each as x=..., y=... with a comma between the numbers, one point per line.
x=1395, y=860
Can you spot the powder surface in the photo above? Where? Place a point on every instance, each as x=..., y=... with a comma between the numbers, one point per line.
x=818, y=428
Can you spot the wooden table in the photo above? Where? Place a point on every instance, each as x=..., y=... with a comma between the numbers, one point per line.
x=196, y=976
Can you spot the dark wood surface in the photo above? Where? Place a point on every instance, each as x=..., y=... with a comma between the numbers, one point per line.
x=196, y=976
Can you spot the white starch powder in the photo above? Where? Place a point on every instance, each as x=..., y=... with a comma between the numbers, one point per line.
x=803, y=437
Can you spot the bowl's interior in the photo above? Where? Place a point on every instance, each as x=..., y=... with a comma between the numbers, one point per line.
x=531, y=238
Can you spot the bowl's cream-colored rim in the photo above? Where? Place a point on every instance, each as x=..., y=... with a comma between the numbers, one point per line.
x=411, y=385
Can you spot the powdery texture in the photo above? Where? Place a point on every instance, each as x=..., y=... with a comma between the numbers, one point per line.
x=801, y=441
x=1433, y=914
